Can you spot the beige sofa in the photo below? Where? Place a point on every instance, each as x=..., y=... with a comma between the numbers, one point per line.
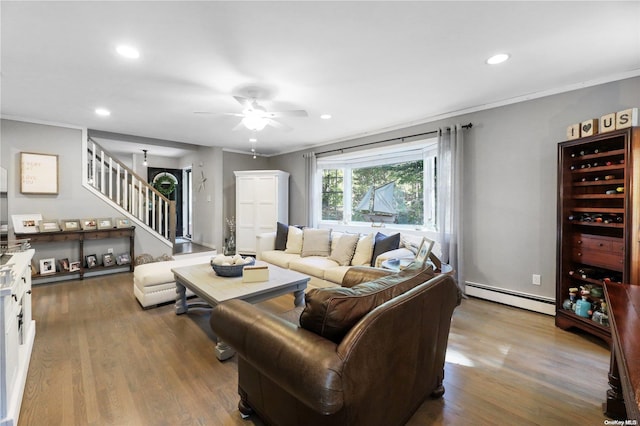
x=154, y=284
x=323, y=270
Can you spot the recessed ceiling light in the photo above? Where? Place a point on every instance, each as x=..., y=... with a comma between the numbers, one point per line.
x=325, y=116
x=253, y=140
x=128, y=51
x=498, y=59
x=103, y=112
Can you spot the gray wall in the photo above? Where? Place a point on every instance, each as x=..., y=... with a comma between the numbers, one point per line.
x=510, y=181
x=236, y=162
x=73, y=201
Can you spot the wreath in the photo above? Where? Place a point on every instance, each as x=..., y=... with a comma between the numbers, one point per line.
x=164, y=185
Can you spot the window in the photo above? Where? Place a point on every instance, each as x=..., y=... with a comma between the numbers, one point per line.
x=395, y=184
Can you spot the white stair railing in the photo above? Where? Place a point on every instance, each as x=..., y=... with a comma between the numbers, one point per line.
x=124, y=188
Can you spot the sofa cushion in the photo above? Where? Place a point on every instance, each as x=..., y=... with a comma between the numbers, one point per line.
x=345, y=249
x=294, y=240
x=332, y=312
x=278, y=258
x=336, y=274
x=384, y=243
x=282, y=231
x=312, y=265
x=364, y=250
x=316, y=242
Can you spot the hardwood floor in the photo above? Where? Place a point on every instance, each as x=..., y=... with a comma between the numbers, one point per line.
x=100, y=359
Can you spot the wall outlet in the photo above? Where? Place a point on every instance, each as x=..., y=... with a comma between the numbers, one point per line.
x=535, y=279
x=109, y=250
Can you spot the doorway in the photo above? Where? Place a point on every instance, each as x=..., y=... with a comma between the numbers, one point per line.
x=158, y=177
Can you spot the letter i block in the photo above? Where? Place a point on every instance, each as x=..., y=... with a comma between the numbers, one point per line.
x=573, y=131
x=608, y=123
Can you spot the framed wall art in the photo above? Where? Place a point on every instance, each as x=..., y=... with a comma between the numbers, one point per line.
x=38, y=173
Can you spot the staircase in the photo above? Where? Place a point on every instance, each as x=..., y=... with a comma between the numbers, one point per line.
x=120, y=186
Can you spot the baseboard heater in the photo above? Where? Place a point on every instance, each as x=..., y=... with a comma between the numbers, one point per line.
x=531, y=302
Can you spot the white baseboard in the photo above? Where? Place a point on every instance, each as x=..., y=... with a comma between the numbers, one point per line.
x=530, y=302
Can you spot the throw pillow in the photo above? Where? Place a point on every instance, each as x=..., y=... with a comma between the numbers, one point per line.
x=282, y=231
x=344, y=249
x=294, y=240
x=383, y=244
x=332, y=311
x=335, y=237
x=364, y=249
x=316, y=242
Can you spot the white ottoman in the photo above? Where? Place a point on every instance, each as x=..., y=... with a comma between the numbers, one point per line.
x=153, y=283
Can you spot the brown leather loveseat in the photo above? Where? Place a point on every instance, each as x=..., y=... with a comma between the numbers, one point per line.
x=367, y=353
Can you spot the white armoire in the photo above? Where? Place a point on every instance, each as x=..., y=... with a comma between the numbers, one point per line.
x=262, y=200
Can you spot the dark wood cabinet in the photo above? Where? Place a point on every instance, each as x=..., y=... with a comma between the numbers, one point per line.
x=598, y=235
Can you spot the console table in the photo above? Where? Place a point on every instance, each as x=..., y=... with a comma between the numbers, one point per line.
x=79, y=237
x=623, y=399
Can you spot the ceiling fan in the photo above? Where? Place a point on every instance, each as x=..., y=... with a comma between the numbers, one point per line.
x=255, y=117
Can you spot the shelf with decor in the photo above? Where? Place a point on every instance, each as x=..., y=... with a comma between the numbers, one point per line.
x=79, y=238
x=598, y=190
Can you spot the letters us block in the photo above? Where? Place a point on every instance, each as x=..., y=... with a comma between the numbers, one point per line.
x=608, y=123
x=626, y=118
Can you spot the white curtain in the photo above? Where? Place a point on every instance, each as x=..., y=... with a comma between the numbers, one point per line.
x=450, y=196
x=310, y=165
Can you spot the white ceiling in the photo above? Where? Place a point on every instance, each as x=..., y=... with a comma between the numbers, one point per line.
x=372, y=65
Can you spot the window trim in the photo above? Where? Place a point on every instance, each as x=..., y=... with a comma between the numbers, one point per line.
x=372, y=157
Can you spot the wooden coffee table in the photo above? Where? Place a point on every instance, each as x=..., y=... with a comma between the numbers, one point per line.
x=213, y=289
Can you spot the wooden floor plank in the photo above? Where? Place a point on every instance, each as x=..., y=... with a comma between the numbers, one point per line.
x=100, y=359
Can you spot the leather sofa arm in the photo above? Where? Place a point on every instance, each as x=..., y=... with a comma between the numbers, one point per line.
x=303, y=363
x=265, y=241
x=362, y=274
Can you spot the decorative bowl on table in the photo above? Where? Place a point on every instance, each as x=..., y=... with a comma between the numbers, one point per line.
x=233, y=268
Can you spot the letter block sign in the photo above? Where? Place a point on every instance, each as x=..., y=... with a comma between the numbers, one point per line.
x=608, y=123
x=573, y=131
x=589, y=127
x=627, y=118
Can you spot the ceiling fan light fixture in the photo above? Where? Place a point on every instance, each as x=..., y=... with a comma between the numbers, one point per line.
x=254, y=122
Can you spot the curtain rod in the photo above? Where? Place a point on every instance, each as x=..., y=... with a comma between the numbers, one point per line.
x=401, y=138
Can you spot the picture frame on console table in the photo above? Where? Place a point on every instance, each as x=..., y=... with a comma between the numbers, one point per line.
x=70, y=224
x=38, y=173
x=123, y=222
x=123, y=259
x=26, y=223
x=88, y=224
x=47, y=266
x=108, y=260
x=91, y=261
x=64, y=265
x=49, y=226
x=105, y=223
x=74, y=266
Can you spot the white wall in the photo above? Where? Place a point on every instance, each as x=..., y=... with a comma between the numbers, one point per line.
x=510, y=181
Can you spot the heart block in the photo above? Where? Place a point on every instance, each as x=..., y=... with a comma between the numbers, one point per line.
x=589, y=127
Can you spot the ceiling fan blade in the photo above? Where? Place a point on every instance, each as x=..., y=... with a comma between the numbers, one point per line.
x=278, y=125
x=204, y=112
x=292, y=113
x=238, y=126
x=246, y=103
